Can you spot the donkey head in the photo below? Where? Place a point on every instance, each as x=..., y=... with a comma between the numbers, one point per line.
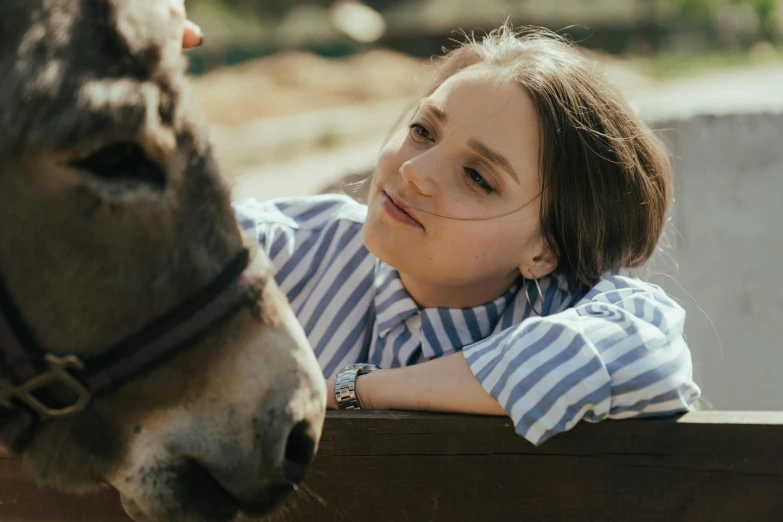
x=112, y=214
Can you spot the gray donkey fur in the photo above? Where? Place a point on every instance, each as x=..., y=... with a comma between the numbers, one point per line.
x=91, y=255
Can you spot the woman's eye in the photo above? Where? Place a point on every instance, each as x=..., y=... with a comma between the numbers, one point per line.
x=478, y=180
x=419, y=131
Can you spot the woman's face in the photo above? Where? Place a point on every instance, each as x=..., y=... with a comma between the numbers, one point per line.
x=454, y=205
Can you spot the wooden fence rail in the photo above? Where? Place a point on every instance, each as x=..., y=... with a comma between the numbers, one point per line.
x=394, y=466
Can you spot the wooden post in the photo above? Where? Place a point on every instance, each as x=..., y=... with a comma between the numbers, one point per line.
x=395, y=466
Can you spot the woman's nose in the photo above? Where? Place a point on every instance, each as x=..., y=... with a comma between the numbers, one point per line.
x=418, y=172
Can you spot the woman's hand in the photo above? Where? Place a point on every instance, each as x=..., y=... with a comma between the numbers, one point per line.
x=185, y=31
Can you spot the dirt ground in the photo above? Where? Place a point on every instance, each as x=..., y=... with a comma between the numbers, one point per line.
x=295, y=123
x=297, y=82
x=296, y=105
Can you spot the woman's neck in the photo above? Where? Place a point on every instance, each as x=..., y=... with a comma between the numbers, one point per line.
x=434, y=295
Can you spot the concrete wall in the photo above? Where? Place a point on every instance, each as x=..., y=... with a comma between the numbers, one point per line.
x=727, y=231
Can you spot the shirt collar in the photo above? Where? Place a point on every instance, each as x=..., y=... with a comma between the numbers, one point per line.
x=446, y=330
x=442, y=330
x=393, y=304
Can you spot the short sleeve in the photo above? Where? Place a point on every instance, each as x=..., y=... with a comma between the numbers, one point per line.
x=618, y=353
x=286, y=227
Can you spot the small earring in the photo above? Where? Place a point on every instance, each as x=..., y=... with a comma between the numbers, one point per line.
x=540, y=295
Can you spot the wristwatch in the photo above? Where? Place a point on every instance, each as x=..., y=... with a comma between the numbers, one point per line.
x=345, y=386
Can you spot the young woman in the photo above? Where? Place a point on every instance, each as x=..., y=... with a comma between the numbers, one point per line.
x=488, y=272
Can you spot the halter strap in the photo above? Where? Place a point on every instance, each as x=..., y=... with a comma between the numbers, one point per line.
x=25, y=368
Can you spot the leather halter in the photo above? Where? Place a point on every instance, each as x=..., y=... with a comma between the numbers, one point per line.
x=25, y=368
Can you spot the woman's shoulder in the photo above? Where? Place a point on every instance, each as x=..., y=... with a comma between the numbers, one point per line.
x=301, y=213
x=624, y=284
x=297, y=232
x=621, y=294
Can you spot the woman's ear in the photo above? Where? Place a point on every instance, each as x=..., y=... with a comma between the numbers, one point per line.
x=542, y=264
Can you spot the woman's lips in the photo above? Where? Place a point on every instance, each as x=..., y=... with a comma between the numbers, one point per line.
x=396, y=212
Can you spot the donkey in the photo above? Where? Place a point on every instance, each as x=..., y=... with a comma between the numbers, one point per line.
x=144, y=344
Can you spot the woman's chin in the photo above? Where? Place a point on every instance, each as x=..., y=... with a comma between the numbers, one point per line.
x=383, y=241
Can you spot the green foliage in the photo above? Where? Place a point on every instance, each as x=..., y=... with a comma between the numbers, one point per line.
x=667, y=65
x=702, y=10
x=695, y=9
x=261, y=8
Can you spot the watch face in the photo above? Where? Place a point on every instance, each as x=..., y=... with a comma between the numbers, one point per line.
x=360, y=366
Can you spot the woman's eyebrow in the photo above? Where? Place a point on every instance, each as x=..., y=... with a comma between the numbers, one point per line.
x=436, y=111
x=493, y=156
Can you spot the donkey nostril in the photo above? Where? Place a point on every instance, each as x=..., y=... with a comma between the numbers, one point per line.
x=299, y=452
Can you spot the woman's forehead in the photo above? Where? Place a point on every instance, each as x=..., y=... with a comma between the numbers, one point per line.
x=482, y=104
x=483, y=90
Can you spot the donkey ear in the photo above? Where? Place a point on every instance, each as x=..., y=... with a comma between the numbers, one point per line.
x=152, y=36
x=16, y=20
x=71, y=68
x=34, y=60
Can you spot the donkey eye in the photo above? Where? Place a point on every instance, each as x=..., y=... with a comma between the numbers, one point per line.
x=122, y=162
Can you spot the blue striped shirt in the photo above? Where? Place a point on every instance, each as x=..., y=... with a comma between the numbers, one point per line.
x=615, y=350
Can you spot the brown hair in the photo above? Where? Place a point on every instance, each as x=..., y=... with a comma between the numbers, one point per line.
x=606, y=178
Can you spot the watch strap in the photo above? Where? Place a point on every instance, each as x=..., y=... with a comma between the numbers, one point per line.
x=345, y=385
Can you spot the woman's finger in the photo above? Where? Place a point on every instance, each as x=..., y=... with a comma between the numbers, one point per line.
x=188, y=34
x=193, y=37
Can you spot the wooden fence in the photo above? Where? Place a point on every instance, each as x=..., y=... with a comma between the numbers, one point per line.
x=394, y=466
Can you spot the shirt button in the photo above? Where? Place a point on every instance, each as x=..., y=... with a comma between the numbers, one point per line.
x=415, y=322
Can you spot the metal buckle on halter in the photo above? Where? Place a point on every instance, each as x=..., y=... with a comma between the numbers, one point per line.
x=57, y=373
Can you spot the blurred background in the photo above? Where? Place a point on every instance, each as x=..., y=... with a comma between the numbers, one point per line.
x=300, y=95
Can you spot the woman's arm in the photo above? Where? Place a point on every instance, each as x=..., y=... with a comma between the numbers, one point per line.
x=618, y=353
x=446, y=384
